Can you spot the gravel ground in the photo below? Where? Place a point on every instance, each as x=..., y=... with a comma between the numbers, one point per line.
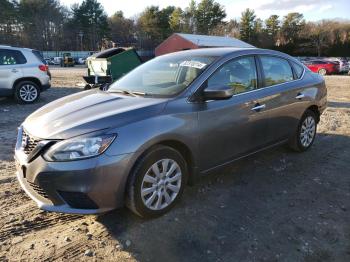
x=274, y=206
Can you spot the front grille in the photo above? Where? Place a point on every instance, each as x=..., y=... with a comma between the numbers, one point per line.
x=38, y=190
x=28, y=142
x=78, y=200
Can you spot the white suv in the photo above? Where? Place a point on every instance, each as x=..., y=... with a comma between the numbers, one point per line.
x=23, y=74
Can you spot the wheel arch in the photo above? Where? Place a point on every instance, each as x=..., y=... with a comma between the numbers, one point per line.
x=314, y=108
x=32, y=79
x=179, y=146
x=186, y=153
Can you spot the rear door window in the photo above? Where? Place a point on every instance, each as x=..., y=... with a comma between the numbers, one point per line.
x=276, y=70
x=11, y=57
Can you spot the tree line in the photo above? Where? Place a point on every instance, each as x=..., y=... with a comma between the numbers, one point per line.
x=49, y=25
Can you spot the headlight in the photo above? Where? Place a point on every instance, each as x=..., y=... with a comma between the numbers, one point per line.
x=78, y=148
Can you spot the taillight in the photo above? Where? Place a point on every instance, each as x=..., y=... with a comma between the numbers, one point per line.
x=44, y=68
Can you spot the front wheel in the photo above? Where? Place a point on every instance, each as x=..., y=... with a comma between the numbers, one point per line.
x=157, y=182
x=306, y=132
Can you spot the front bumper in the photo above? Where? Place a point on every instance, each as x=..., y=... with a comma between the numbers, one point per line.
x=89, y=186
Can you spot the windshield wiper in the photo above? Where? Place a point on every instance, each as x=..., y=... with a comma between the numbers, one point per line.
x=127, y=92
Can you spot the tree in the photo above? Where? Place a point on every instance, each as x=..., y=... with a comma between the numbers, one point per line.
x=47, y=25
x=91, y=21
x=292, y=26
x=272, y=26
x=189, y=18
x=164, y=21
x=155, y=25
x=247, y=25
x=122, y=29
x=208, y=15
x=318, y=35
x=230, y=29
x=9, y=29
x=176, y=20
x=258, y=26
x=42, y=22
x=147, y=32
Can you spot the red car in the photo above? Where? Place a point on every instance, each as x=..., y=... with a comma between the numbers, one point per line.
x=323, y=67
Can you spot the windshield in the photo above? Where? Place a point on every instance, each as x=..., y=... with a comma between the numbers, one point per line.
x=163, y=76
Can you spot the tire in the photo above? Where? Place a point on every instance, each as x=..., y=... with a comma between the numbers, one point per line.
x=322, y=72
x=138, y=182
x=26, y=92
x=308, y=124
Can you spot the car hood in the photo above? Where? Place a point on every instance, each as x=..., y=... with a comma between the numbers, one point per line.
x=87, y=112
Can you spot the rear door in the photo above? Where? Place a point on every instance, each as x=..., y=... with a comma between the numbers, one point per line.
x=10, y=69
x=286, y=92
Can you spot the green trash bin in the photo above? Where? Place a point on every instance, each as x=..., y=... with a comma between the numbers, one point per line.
x=109, y=65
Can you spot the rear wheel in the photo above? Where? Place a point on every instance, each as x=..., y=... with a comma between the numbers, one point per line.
x=157, y=182
x=322, y=71
x=26, y=92
x=306, y=132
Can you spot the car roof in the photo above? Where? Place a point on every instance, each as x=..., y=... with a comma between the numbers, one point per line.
x=227, y=51
x=15, y=48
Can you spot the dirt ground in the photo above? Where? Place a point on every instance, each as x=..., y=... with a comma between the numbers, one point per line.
x=274, y=206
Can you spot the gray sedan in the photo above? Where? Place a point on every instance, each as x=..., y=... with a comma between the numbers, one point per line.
x=163, y=125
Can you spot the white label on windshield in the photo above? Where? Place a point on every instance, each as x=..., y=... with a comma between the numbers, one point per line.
x=194, y=64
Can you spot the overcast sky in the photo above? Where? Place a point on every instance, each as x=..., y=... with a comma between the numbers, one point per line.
x=312, y=9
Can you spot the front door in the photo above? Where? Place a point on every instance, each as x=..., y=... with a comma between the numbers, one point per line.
x=234, y=127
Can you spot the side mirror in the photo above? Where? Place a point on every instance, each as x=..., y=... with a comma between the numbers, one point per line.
x=220, y=93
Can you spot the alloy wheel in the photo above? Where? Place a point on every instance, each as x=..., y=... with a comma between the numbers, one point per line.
x=28, y=93
x=161, y=184
x=307, y=131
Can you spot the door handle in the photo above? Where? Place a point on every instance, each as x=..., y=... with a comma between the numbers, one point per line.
x=258, y=107
x=300, y=96
x=14, y=70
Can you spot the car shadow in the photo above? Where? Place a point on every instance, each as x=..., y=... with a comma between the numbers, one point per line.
x=270, y=206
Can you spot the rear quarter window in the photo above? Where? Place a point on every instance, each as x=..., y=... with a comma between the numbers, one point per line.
x=298, y=69
x=39, y=56
x=11, y=57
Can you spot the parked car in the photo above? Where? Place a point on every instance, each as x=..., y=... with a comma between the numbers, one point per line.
x=162, y=125
x=53, y=60
x=323, y=67
x=56, y=60
x=79, y=60
x=47, y=61
x=343, y=65
x=24, y=74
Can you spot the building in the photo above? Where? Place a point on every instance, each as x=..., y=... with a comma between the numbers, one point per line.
x=178, y=42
